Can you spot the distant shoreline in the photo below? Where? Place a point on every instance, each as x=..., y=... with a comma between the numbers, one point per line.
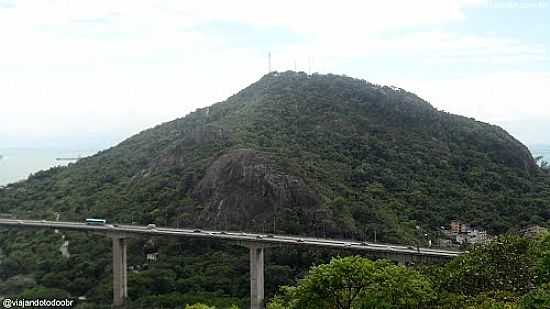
x=26, y=161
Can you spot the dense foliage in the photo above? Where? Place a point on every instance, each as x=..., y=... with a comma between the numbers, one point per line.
x=356, y=282
x=508, y=273
x=293, y=153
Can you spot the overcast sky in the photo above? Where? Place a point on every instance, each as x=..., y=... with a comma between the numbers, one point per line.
x=77, y=73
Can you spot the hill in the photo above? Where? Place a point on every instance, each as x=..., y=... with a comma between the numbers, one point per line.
x=302, y=154
x=293, y=153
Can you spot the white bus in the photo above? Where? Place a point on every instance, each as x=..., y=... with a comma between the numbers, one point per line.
x=92, y=221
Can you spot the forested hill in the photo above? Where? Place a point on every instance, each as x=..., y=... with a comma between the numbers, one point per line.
x=303, y=154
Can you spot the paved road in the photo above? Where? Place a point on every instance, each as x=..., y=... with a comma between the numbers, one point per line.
x=268, y=239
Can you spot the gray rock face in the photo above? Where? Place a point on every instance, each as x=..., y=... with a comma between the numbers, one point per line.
x=243, y=188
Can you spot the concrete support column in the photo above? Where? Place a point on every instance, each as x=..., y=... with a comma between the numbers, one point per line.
x=401, y=260
x=120, y=272
x=256, y=277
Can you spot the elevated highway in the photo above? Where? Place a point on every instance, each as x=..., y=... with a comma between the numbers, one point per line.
x=254, y=241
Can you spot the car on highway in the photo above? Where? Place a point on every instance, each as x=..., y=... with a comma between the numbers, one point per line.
x=151, y=226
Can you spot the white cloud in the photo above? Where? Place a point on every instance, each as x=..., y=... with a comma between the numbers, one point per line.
x=69, y=30
x=516, y=101
x=492, y=97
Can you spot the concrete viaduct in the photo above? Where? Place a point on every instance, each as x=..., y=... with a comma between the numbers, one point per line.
x=256, y=243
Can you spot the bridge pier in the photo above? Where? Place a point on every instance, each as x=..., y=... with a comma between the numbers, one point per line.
x=255, y=242
x=120, y=272
x=256, y=276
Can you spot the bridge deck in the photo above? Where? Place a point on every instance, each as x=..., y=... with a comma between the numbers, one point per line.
x=267, y=239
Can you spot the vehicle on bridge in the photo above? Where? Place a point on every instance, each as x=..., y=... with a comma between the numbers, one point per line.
x=93, y=221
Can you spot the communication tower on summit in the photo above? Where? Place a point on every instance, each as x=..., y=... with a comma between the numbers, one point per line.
x=269, y=62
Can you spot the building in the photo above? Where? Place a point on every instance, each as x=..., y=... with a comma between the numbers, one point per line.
x=463, y=233
x=459, y=227
x=460, y=238
x=478, y=237
x=532, y=231
x=455, y=227
x=152, y=257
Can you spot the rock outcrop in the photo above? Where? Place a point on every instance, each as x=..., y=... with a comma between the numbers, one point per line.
x=243, y=188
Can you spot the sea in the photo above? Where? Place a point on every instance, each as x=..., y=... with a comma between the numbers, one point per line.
x=17, y=164
x=541, y=150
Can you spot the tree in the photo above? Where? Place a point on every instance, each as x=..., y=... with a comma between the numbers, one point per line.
x=544, y=165
x=399, y=287
x=356, y=282
x=43, y=292
x=504, y=265
x=539, y=298
x=541, y=250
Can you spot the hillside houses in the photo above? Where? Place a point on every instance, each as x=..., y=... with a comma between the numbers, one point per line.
x=532, y=231
x=462, y=233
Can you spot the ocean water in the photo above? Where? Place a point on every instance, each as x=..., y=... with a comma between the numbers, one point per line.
x=18, y=163
x=541, y=150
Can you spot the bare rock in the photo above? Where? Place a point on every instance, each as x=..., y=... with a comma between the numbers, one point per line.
x=242, y=187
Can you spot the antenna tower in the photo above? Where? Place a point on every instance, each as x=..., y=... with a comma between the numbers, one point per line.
x=269, y=62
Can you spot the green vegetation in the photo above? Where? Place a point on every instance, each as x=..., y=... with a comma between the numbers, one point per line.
x=356, y=282
x=321, y=155
x=505, y=274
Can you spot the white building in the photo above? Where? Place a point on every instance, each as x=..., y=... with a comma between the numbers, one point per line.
x=152, y=257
